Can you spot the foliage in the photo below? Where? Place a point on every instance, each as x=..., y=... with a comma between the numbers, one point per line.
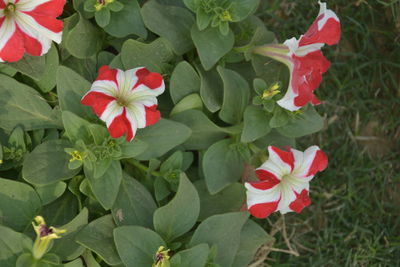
x=178, y=184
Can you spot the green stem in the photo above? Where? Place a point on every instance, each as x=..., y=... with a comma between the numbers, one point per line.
x=142, y=167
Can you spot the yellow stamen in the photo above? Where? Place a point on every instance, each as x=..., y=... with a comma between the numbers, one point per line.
x=270, y=92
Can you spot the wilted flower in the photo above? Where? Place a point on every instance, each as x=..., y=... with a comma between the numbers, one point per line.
x=44, y=236
x=284, y=181
x=305, y=59
x=161, y=258
x=125, y=100
x=29, y=26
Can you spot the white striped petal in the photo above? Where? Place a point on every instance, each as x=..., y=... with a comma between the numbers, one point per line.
x=258, y=196
x=111, y=111
x=137, y=114
x=7, y=29
x=28, y=5
x=105, y=87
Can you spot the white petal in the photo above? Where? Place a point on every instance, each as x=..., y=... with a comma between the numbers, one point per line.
x=302, y=168
x=282, y=166
x=257, y=196
x=112, y=110
x=137, y=113
x=105, y=87
x=126, y=80
x=28, y=5
x=7, y=29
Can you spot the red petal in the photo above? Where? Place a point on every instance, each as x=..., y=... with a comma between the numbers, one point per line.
x=32, y=46
x=53, y=8
x=98, y=101
x=263, y=210
x=268, y=179
x=302, y=200
x=152, y=80
x=14, y=49
x=105, y=73
x=329, y=34
x=319, y=163
x=152, y=115
x=50, y=23
x=120, y=126
x=2, y=4
x=285, y=156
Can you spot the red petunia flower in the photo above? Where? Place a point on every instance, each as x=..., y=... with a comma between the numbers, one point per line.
x=125, y=100
x=284, y=181
x=29, y=26
x=305, y=59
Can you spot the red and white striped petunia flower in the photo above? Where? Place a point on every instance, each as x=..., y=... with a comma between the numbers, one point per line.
x=284, y=181
x=29, y=26
x=304, y=58
x=125, y=100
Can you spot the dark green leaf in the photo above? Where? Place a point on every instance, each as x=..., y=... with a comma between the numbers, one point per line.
x=19, y=204
x=102, y=17
x=180, y=214
x=134, y=204
x=211, y=89
x=236, y=96
x=192, y=257
x=171, y=22
x=98, y=237
x=222, y=165
x=22, y=105
x=49, y=193
x=241, y=9
x=256, y=124
x=211, y=45
x=48, y=80
x=192, y=101
x=11, y=245
x=222, y=231
x=137, y=245
x=184, y=81
x=31, y=66
x=48, y=163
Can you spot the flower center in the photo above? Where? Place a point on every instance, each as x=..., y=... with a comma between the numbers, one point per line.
x=45, y=231
x=9, y=10
x=122, y=102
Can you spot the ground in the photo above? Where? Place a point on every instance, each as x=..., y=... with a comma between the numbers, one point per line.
x=355, y=216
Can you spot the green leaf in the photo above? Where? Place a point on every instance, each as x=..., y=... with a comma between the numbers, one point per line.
x=180, y=214
x=236, y=96
x=304, y=124
x=127, y=21
x=137, y=245
x=171, y=22
x=274, y=138
x=204, y=131
x=76, y=263
x=84, y=40
x=229, y=199
x=211, y=89
x=184, y=81
x=49, y=193
x=134, y=204
x=61, y=211
x=211, y=45
x=256, y=124
x=193, y=257
x=153, y=56
x=203, y=19
x=222, y=231
x=66, y=247
x=162, y=137
x=192, y=101
x=7, y=70
x=19, y=204
x=279, y=119
x=76, y=127
x=106, y=187
x=133, y=148
x=48, y=163
x=191, y=4
x=11, y=245
x=102, y=17
x=222, y=165
x=48, y=80
x=98, y=237
x=71, y=87
x=22, y=105
x=241, y=9
x=252, y=238
x=31, y=66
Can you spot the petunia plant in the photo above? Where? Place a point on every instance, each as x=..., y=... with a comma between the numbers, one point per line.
x=153, y=133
